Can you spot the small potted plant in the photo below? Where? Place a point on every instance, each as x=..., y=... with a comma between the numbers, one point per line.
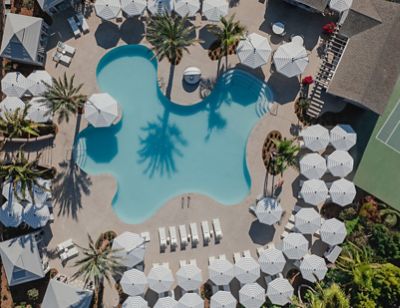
x=329, y=28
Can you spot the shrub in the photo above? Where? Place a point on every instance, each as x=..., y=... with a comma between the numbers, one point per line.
x=386, y=243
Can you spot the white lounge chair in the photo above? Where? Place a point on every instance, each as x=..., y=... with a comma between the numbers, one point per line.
x=69, y=254
x=260, y=250
x=247, y=254
x=74, y=26
x=333, y=253
x=64, y=48
x=291, y=218
x=145, y=236
x=284, y=234
x=193, y=262
x=172, y=235
x=222, y=257
x=63, y=59
x=194, y=233
x=211, y=260
x=236, y=256
x=82, y=22
x=65, y=245
x=182, y=263
x=206, y=232
x=183, y=235
x=217, y=229
x=163, y=238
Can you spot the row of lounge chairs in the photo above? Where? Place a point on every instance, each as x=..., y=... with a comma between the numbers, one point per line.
x=78, y=24
x=64, y=53
x=67, y=250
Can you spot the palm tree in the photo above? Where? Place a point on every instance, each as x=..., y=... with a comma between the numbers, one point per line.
x=170, y=36
x=63, y=97
x=228, y=34
x=328, y=297
x=15, y=124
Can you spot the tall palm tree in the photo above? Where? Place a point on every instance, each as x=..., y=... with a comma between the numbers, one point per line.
x=16, y=125
x=284, y=155
x=63, y=97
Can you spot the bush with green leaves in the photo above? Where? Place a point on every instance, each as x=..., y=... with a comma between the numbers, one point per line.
x=386, y=243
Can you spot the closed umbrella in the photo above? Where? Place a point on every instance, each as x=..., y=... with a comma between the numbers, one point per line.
x=213, y=10
x=272, y=261
x=38, y=81
x=307, y=221
x=187, y=7
x=133, y=7
x=107, y=9
x=340, y=163
x=314, y=192
x=268, y=211
x=160, y=279
x=159, y=7
x=39, y=111
x=313, y=268
x=133, y=282
x=11, y=213
x=130, y=248
x=280, y=291
x=290, y=59
x=189, y=277
x=340, y=5
x=14, y=84
x=254, y=51
x=36, y=217
x=247, y=270
x=333, y=232
x=101, y=110
x=135, y=301
x=343, y=137
x=315, y=137
x=191, y=300
x=221, y=272
x=166, y=302
x=312, y=166
x=223, y=299
x=295, y=246
x=342, y=192
x=10, y=104
x=252, y=295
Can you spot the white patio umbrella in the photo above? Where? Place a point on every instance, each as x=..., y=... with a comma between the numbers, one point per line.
x=166, y=302
x=254, y=51
x=191, y=300
x=133, y=282
x=312, y=166
x=340, y=5
x=133, y=7
x=342, y=192
x=107, y=9
x=11, y=213
x=333, y=232
x=101, y=110
x=189, y=277
x=37, y=82
x=314, y=192
x=247, y=270
x=135, y=301
x=307, y=220
x=160, y=279
x=313, y=268
x=272, y=261
x=268, y=211
x=187, y=7
x=221, y=272
x=295, y=246
x=159, y=7
x=130, y=248
x=10, y=104
x=343, y=137
x=315, y=137
x=38, y=110
x=340, y=163
x=252, y=295
x=14, y=84
x=223, y=299
x=213, y=10
x=280, y=291
x=36, y=217
x=290, y=59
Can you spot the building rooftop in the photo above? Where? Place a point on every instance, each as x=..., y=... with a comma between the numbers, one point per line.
x=319, y=5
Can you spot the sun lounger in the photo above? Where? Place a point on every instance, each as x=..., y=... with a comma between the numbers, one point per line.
x=82, y=22
x=194, y=233
x=296, y=208
x=69, y=254
x=217, y=229
x=291, y=218
x=236, y=256
x=284, y=234
x=64, y=48
x=247, y=254
x=211, y=260
x=289, y=226
x=163, y=238
x=222, y=257
x=63, y=59
x=183, y=235
x=206, y=232
x=252, y=209
x=260, y=250
x=182, y=263
x=145, y=236
x=333, y=253
x=65, y=245
x=74, y=26
x=172, y=235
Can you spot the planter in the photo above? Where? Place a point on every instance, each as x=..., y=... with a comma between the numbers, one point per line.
x=269, y=147
x=27, y=140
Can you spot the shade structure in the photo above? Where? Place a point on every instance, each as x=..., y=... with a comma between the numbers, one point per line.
x=295, y=246
x=187, y=7
x=101, y=110
x=312, y=166
x=166, y=302
x=291, y=59
x=314, y=192
x=252, y=295
x=38, y=110
x=191, y=300
x=272, y=261
x=307, y=221
x=14, y=84
x=280, y=291
x=11, y=213
x=159, y=7
x=130, y=248
x=213, y=10
x=343, y=137
x=342, y=192
x=10, y=104
x=223, y=299
x=268, y=211
x=189, y=277
x=133, y=282
x=36, y=217
x=160, y=279
x=133, y=7
x=340, y=163
x=135, y=301
x=313, y=268
x=107, y=9
x=221, y=272
x=333, y=232
x=254, y=51
x=340, y=5
x=37, y=82
x=247, y=270
x=315, y=137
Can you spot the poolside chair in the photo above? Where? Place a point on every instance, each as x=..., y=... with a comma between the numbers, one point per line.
x=247, y=254
x=183, y=235
x=217, y=229
x=333, y=253
x=163, y=238
x=63, y=59
x=222, y=257
x=64, y=48
x=69, y=254
x=65, y=245
x=145, y=236
x=74, y=26
x=289, y=226
x=182, y=263
x=291, y=218
x=260, y=250
x=236, y=256
x=284, y=234
x=211, y=260
x=206, y=232
x=173, y=239
x=194, y=234
x=82, y=22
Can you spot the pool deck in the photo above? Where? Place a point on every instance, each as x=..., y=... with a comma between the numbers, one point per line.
x=83, y=203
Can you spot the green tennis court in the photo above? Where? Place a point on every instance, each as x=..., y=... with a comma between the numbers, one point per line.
x=389, y=133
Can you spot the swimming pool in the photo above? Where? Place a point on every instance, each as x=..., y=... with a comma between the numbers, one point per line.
x=160, y=149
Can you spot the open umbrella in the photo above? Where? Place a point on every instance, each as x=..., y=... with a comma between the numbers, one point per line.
x=191, y=300
x=39, y=111
x=11, y=213
x=307, y=221
x=290, y=59
x=213, y=10
x=36, y=217
x=247, y=270
x=314, y=191
x=130, y=248
x=10, y=104
x=340, y=163
x=272, y=261
x=295, y=246
x=107, y=9
x=252, y=295
x=254, y=51
x=133, y=7
x=221, y=272
x=101, y=110
x=342, y=192
x=280, y=291
x=166, y=302
x=312, y=166
x=187, y=7
x=223, y=299
x=189, y=277
x=313, y=268
x=135, y=301
x=315, y=137
x=159, y=7
x=14, y=84
x=133, y=282
x=333, y=232
x=37, y=82
x=160, y=279
x=343, y=137
x=268, y=211
x=340, y=5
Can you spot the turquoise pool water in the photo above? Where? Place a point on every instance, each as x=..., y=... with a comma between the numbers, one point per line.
x=160, y=149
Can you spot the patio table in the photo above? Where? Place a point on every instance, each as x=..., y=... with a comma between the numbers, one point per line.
x=278, y=28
